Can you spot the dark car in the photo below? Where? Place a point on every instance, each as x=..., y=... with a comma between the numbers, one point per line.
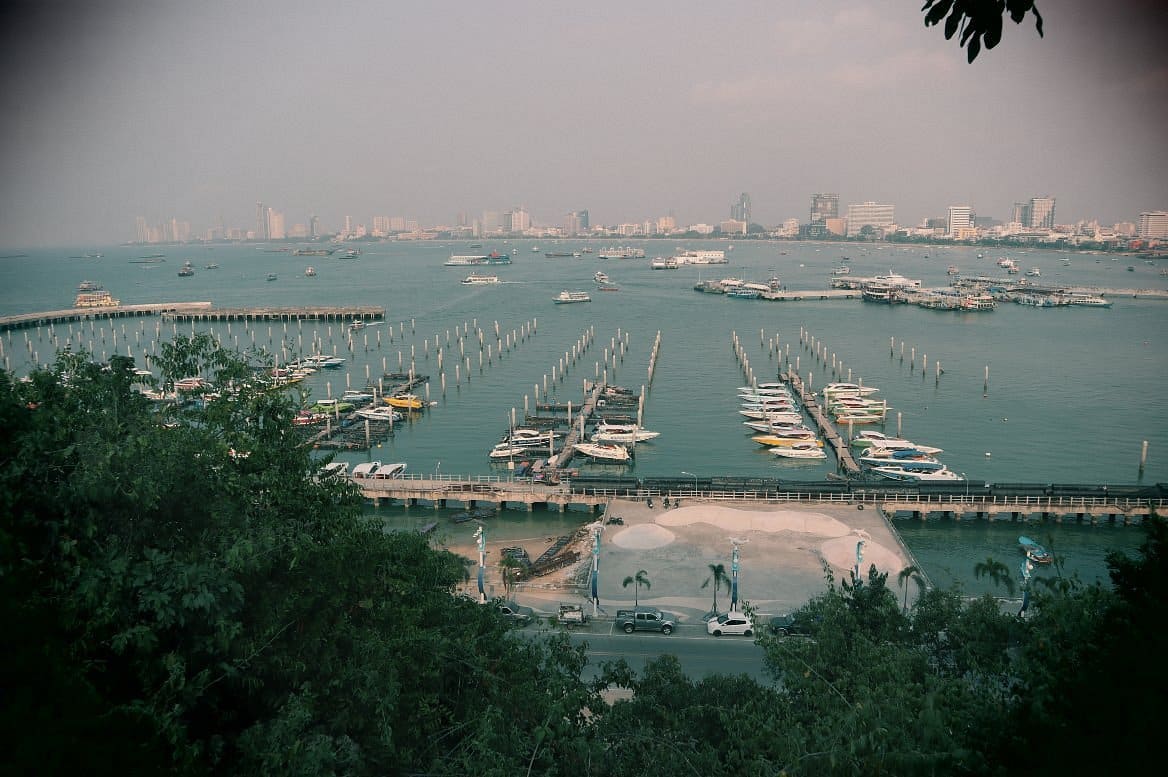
x=788, y=625
x=516, y=613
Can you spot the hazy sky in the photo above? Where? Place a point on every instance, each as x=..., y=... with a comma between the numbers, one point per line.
x=115, y=109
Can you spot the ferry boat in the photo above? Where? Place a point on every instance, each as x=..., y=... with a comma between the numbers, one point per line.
x=700, y=257
x=474, y=279
x=568, y=297
x=622, y=252
x=92, y=295
x=1089, y=300
x=471, y=260
x=662, y=263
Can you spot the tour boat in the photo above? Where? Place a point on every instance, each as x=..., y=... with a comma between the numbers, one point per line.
x=474, y=279
x=567, y=297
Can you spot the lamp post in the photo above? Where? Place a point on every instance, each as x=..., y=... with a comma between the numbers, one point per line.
x=695, y=477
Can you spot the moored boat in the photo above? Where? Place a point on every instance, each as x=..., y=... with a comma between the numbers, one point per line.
x=404, y=401
x=604, y=451
x=1035, y=552
x=799, y=450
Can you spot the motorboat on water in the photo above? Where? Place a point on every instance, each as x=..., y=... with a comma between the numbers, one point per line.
x=604, y=451
x=781, y=417
x=872, y=439
x=916, y=472
x=879, y=457
x=601, y=277
x=799, y=450
x=848, y=388
x=404, y=401
x=623, y=433
x=787, y=440
x=566, y=297
x=310, y=272
x=381, y=413
x=506, y=450
x=1034, y=551
x=775, y=427
x=355, y=395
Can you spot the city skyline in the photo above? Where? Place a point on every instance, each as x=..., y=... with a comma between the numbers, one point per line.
x=124, y=109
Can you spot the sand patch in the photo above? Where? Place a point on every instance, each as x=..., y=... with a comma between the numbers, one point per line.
x=730, y=519
x=645, y=536
x=841, y=553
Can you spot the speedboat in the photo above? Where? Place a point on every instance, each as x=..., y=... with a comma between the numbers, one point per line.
x=601, y=277
x=1034, y=551
x=916, y=472
x=387, y=414
x=624, y=434
x=309, y=271
x=878, y=457
x=782, y=417
x=800, y=450
x=790, y=440
x=604, y=451
x=849, y=388
x=354, y=395
x=406, y=401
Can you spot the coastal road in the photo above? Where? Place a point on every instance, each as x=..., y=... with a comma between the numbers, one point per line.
x=700, y=654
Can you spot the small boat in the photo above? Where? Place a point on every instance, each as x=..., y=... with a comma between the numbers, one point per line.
x=212, y=266
x=1034, y=272
x=508, y=451
x=186, y=270
x=568, y=297
x=917, y=472
x=800, y=450
x=475, y=279
x=271, y=276
x=385, y=414
x=474, y=514
x=331, y=406
x=623, y=434
x=355, y=395
x=309, y=272
x=405, y=401
x=953, y=270
x=788, y=439
x=601, y=277
x=843, y=270
x=1034, y=551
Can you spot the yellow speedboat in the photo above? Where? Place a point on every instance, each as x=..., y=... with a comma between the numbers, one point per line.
x=404, y=401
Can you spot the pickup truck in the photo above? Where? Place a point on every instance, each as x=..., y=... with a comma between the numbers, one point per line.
x=644, y=619
x=572, y=615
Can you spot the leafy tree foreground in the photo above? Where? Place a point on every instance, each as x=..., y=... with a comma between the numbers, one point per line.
x=182, y=593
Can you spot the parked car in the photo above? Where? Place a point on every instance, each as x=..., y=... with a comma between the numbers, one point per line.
x=730, y=623
x=644, y=619
x=516, y=613
x=787, y=625
x=572, y=615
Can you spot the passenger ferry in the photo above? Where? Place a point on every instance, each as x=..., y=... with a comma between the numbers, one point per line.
x=700, y=257
x=567, y=297
x=470, y=260
x=92, y=295
x=474, y=279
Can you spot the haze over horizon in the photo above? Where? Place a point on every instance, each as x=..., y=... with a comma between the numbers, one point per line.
x=124, y=108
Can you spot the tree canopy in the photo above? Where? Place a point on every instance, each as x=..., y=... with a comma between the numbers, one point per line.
x=182, y=593
x=979, y=22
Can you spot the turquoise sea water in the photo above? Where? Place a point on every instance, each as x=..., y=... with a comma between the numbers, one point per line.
x=1071, y=396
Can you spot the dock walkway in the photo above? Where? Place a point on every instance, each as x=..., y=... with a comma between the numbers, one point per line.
x=831, y=435
x=194, y=311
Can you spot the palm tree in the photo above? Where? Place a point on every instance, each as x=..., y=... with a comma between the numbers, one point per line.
x=911, y=572
x=996, y=571
x=641, y=579
x=718, y=576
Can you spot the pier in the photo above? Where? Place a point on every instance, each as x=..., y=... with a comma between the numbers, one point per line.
x=194, y=311
x=831, y=435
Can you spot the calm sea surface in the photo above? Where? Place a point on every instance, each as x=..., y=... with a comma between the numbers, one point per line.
x=1072, y=392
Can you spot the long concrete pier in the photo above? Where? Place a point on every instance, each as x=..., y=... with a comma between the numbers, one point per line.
x=195, y=311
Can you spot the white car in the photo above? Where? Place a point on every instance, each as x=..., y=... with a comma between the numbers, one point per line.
x=730, y=623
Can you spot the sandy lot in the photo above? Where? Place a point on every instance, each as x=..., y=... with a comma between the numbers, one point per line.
x=783, y=551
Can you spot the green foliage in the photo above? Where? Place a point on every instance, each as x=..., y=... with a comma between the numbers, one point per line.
x=718, y=577
x=978, y=21
x=638, y=580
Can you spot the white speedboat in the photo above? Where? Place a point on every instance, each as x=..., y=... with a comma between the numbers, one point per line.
x=787, y=440
x=354, y=395
x=800, y=450
x=881, y=457
x=632, y=435
x=507, y=451
x=779, y=417
x=380, y=413
x=848, y=388
x=601, y=277
x=916, y=472
x=604, y=451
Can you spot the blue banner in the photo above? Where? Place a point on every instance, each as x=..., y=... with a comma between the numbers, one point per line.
x=482, y=592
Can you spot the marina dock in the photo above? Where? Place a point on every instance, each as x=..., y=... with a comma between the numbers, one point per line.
x=831, y=435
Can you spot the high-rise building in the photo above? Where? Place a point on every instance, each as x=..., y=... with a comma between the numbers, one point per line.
x=142, y=229
x=740, y=211
x=380, y=226
x=520, y=220
x=313, y=227
x=582, y=217
x=960, y=219
x=262, y=231
x=1152, y=225
x=824, y=207
x=870, y=214
x=571, y=223
x=1041, y=213
x=666, y=224
x=275, y=225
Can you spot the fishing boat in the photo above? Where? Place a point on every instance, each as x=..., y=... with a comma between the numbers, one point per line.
x=310, y=272
x=1034, y=551
x=475, y=279
x=187, y=270
x=604, y=451
x=272, y=276
x=799, y=450
x=566, y=297
x=404, y=401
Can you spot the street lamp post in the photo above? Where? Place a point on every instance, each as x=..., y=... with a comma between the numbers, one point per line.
x=695, y=477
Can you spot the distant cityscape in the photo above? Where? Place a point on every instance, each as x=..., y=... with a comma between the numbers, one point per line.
x=1030, y=221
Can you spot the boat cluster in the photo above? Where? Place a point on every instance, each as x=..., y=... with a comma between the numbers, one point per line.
x=894, y=458
x=773, y=414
